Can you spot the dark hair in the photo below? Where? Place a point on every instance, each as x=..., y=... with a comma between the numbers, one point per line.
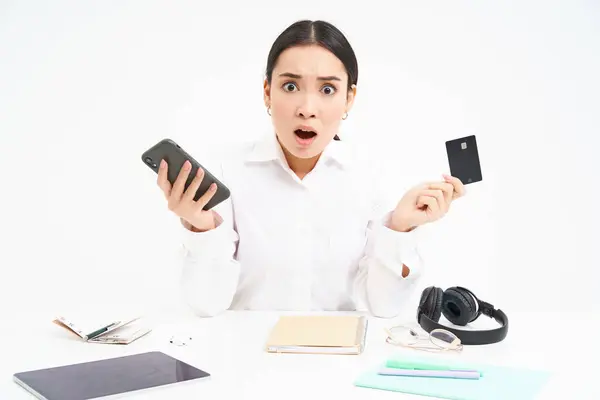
x=321, y=33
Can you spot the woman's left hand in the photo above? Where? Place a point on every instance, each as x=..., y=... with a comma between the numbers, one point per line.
x=426, y=203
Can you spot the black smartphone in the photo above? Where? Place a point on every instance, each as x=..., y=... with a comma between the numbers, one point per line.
x=175, y=157
x=463, y=158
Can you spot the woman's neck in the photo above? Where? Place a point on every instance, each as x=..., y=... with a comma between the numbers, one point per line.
x=300, y=166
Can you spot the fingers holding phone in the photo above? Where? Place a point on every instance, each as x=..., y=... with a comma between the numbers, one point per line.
x=190, y=189
x=161, y=179
x=181, y=200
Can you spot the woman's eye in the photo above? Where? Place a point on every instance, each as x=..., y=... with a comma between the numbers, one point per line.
x=328, y=90
x=289, y=87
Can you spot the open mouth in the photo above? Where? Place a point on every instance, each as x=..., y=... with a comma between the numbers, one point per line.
x=305, y=135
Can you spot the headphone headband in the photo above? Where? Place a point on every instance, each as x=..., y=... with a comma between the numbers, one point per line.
x=434, y=301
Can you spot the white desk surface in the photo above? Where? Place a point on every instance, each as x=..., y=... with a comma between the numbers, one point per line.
x=230, y=348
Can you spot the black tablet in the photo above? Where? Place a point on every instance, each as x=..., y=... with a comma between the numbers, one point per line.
x=107, y=377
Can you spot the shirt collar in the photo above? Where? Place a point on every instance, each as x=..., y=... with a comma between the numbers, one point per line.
x=268, y=149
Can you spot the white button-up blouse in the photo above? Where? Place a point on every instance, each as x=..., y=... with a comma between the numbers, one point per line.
x=320, y=243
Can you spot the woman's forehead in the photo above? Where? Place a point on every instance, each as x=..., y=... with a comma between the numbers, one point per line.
x=309, y=62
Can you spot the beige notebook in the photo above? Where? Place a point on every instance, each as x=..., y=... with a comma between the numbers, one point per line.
x=324, y=334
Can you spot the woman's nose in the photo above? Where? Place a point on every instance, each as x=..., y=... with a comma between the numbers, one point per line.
x=307, y=108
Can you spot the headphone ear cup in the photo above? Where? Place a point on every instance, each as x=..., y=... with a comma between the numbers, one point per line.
x=435, y=304
x=430, y=303
x=459, y=307
x=424, y=296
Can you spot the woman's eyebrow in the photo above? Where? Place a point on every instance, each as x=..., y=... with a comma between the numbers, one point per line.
x=321, y=78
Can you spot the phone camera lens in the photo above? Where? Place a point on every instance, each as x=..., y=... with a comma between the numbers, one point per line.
x=150, y=162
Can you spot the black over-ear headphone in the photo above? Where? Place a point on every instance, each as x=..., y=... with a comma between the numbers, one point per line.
x=460, y=306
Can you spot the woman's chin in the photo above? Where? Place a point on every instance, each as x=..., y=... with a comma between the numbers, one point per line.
x=303, y=151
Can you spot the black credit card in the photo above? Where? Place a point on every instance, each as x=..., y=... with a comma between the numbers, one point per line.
x=463, y=159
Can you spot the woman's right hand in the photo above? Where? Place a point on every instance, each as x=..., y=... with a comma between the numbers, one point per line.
x=182, y=202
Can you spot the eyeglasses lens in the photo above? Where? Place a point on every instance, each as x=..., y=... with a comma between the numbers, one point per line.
x=443, y=339
x=404, y=335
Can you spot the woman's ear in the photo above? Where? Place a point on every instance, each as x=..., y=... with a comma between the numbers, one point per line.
x=350, y=98
x=267, y=93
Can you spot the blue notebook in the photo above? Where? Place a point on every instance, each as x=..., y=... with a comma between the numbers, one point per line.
x=497, y=383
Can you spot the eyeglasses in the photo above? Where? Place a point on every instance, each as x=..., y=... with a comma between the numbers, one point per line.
x=437, y=340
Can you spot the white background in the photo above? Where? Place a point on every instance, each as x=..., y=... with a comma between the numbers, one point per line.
x=86, y=87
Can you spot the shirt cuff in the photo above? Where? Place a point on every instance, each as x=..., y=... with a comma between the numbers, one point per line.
x=394, y=249
x=201, y=242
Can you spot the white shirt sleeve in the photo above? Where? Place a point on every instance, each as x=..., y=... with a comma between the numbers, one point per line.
x=379, y=285
x=209, y=275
